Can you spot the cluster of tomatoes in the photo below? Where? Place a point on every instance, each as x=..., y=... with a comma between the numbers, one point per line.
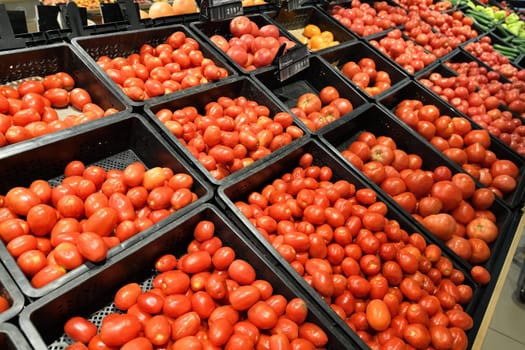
x=478, y=93
x=511, y=95
x=251, y=47
x=423, y=34
x=449, y=205
x=317, y=110
x=364, y=74
x=208, y=298
x=456, y=139
x=365, y=19
x=390, y=286
x=51, y=230
x=231, y=134
x=412, y=57
x=176, y=64
x=454, y=25
x=484, y=51
x=31, y=108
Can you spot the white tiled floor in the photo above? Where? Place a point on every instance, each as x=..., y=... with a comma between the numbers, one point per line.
x=507, y=328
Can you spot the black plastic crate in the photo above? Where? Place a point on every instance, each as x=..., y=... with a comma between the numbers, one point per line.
x=111, y=144
x=231, y=192
x=295, y=21
x=11, y=338
x=462, y=55
x=329, y=8
x=494, y=39
x=128, y=42
x=338, y=56
x=314, y=78
x=92, y=295
x=375, y=42
x=232, y=88
x=38, y=62
x=381, y=123
x=208, y=29
x=12, y=294
x=413, y=90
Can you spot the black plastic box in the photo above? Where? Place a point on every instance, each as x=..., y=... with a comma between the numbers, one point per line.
x=92, y=295
x=233, y=88
x=208, y=29
x=464, y=55
x=111, y=143
x=10, y=291
x=329, y=7
x=318, y=75
x=295, y=21
x=11, y=338
x=41, y=61
x=126, y=43
x=413, y=90
x=380, y=36
x=265, y=174
x=380, y=122
x=338, y=56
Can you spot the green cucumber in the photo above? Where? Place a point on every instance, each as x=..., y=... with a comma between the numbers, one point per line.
x=509, y=55
x=508, y=49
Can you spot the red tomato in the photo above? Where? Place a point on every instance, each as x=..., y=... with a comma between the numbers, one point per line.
x=378, y=315
x=20, y=200
x=241, y=272
x=262, y=315
x=66, y=254
x=31, y=261
x=117, y=329
x=127, y=295
x=80, y=329
x=313, y=333
x=91, y=246
x=185, y=325
x=102, y=222
x=46, y=275
x=157, y=330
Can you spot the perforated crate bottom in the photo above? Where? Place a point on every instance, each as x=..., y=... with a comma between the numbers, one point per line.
x=97, y=317
x=118, y=161
x=290, y=93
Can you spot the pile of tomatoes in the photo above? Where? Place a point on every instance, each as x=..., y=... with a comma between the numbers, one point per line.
x=423, y=34
x=231, y=134
x=448, y=204
x=317, y=110
x=412, y=57
x=251, y=47
x=31, y=108
x=478, y=93
x=454, y=25
x=207, y=298
x=365, y=75
x=171, y=66
x=455, y=138
x=389, y=285
x=365, y=19
x=51, y=230
x=484, y=51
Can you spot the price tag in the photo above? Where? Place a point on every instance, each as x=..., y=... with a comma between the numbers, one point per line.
x=293, y=61
x=216, y=10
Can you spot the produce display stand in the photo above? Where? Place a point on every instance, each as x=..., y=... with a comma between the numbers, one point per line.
x=138, y=132
x=491, y=308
